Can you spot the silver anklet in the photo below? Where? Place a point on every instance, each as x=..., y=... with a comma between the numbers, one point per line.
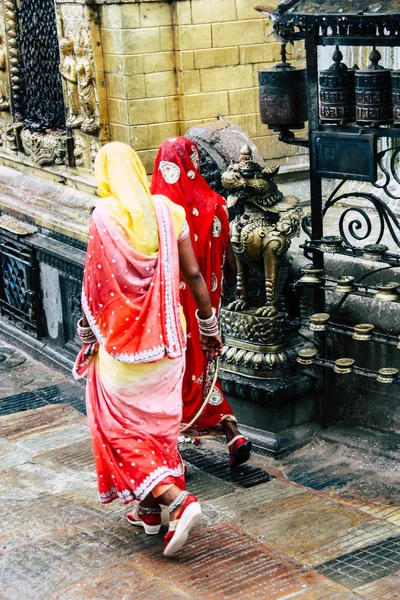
x=178, y=501
x=149, y=511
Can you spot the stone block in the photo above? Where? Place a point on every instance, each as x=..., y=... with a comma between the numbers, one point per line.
x=172, y=108
x=135, y=86
x=139, y=137
x=160, y=132
x=226, y=78
x=160, y=84
x=243, y=101
x=216, y=57
x=149, y=110
x=119, y=133
x=189, y=82
x=210, y=11
x=253, y=53
x=182, y=12
x=191, y=37
x=120, y=16
x=111, y=41
x=245, y=9
x=126, y=65
x=185, y=60
x=138, y=40
x=209, y=105
x=155, y=14
x=116, y=86
x=147, y=157
x=245, y=32
x=159, y=61
x=166, y=39
x=118, y=111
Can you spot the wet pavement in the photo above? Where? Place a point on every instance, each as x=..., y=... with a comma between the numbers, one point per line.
x=323, y=523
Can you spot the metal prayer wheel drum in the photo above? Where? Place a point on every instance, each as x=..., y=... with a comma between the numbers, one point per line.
x=374, y=93
x=336, y=92
x=283, y=96
x=396, y=97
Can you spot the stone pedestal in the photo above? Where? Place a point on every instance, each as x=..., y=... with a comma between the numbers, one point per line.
x=258, y=372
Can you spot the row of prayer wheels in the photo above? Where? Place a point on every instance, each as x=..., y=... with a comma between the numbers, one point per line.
x=369, y=97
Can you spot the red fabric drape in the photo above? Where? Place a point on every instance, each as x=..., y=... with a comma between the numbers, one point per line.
x=176, y=176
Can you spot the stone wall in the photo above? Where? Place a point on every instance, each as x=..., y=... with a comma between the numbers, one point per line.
x=173, y=65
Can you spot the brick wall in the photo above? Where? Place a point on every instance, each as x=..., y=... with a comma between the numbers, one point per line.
x=172, y=65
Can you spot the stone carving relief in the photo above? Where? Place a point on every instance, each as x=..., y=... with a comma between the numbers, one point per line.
x=94, y=148
x=77, y=70
x=69, y=75
x=79, y=151
x=4, y=90
x=44, y=148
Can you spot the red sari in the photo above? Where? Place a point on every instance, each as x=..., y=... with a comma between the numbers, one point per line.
x=176, y=176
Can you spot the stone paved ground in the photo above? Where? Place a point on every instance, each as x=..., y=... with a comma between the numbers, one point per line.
x=321, y=524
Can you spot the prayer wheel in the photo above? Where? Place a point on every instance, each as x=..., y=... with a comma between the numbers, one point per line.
x=374, y=93
x=283, y=96
x=396, y=97
x=337, y=99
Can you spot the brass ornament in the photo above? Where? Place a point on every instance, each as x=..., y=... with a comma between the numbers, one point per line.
x=311, y=277
x=306, y=356
x=375, y=251
x=343, y=365
x=331, y=243
x=319, y=321
x=362, y=331
x=345, y=284
x=259, y=339
x=387, y=292
x=387, y=375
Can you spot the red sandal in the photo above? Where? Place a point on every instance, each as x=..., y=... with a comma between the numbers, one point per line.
x=239, y=451
x=148, y=518
x=188, y=515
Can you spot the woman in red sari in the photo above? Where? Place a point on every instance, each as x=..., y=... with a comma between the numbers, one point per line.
x=134, y=343
x=176, y=176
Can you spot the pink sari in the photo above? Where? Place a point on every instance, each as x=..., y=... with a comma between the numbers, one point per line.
x=135, y=370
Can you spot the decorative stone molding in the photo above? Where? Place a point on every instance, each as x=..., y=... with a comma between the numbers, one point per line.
x=11, y=34
x=44, y=148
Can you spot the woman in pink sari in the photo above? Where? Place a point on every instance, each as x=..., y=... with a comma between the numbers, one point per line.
x=134, y=343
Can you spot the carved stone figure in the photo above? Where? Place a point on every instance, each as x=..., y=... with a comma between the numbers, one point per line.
x=79, y=151
x=69, y=74
x=44, y=148
x=261, y=235
x=86, y=90
x=94, y=149
x=4, y=89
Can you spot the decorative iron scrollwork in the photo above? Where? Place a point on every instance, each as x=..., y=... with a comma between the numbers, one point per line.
x=362, y=224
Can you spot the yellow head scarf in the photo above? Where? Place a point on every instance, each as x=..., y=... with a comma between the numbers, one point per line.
x=122, y=183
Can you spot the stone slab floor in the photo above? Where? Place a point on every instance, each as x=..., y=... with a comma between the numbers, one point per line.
x=321, y=524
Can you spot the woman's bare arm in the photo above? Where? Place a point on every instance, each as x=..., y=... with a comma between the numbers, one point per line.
x=212, y=346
